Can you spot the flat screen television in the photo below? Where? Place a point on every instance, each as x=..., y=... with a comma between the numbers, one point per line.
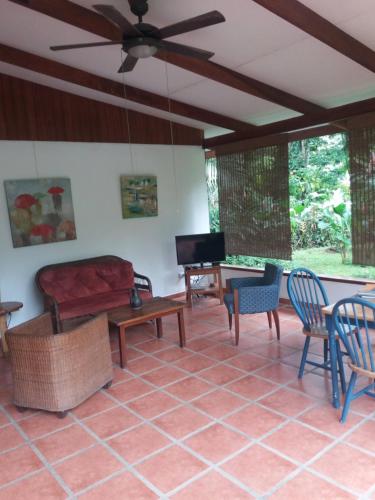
x=200, y=248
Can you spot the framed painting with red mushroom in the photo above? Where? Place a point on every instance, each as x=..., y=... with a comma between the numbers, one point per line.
x=40, y=211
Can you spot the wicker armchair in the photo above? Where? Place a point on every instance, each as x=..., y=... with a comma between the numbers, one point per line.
x=58, y=372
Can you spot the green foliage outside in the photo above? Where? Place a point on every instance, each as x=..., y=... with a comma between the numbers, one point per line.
x=319, y=186
x=213, y=196
x=320, y=209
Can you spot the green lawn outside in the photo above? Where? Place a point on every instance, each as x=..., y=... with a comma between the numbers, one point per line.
x=324, y=261
x=319, y=260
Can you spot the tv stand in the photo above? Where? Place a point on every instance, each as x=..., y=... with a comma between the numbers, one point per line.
x=215, y=289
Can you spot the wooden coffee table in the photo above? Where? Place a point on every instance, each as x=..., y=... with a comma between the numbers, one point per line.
x=156, y=308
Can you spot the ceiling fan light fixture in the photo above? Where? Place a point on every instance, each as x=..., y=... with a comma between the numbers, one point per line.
x=142, y=50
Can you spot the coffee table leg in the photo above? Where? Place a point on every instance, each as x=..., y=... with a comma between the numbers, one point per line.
x=122, y=344
x=181, y=327
x=159, y=328
x=3, y=327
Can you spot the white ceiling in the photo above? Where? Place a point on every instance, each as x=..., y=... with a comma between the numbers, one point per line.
x=252, y=40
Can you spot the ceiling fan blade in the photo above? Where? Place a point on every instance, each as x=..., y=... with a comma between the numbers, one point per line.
x=128, y=64
x=84, y=45
x=117, y=18
x=194, y=23
x=185, y=50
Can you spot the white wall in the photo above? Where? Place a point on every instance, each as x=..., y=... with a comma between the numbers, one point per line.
x=94, y=170
x=335, y=290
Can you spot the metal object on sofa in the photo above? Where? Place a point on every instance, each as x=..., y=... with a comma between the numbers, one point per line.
x=89, y=286
x=58, y=372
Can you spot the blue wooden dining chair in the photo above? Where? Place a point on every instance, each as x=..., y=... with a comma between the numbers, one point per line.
x=308, y=295
x=354, y=318
x=254, y=295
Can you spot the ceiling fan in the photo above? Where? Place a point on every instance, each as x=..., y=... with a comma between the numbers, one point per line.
x=144, y=40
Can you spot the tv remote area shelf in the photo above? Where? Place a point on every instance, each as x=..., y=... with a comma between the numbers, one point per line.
x=216, y=290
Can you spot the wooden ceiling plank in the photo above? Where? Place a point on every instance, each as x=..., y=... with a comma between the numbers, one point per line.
x=74, y=14
x=300, y=122
x=86, y=19
x=233, y=79
x=307, y=20
x=61, y=71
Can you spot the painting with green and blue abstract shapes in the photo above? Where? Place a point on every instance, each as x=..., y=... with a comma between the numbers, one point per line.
x=139, y=196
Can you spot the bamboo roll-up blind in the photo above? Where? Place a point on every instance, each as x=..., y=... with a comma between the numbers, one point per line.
x=362, y=181
x=254, y=202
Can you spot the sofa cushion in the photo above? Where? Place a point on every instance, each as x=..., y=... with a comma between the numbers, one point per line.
x=72, y=282
x=97, y=303
x=65, y=283
x=117, y=274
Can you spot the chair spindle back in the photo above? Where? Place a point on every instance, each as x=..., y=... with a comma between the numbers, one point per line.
x=354, y=320
x=307, y=295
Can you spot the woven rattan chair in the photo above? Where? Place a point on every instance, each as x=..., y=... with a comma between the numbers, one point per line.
x=254, y=295
x=58, y=372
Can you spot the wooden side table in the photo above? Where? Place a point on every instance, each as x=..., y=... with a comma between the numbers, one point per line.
x=5, y=309
x=216, y=290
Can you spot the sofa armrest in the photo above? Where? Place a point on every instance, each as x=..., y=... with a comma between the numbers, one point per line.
x=142, y=282
x=52, y=306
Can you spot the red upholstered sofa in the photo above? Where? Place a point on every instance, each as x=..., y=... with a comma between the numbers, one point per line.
x=89, y=286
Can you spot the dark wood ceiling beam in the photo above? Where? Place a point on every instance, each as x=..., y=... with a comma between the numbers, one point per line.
x=88, y=20
x=300, y=122
x=317, y=26
x=69, y=74
x=271, y=140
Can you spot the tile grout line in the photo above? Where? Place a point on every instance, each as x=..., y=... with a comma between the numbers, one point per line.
x=42, y=458
x=247, y=402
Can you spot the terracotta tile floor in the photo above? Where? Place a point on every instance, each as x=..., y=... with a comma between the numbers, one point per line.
x=210, y=421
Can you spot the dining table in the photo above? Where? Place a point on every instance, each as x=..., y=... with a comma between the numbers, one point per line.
x=369, y=289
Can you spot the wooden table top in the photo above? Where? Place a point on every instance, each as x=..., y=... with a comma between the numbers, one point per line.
x=369, y=287
x=8, y=307
x=203, y=270
x=158, y=306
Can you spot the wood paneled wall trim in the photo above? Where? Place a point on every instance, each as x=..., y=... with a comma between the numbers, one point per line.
x=29, y=111
x=362, y=121
x=248, y=144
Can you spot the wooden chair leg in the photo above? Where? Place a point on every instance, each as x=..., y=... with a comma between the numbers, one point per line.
x=230, y=320
x=304, y=357
x=340, y=367
x=236, y=317
x=237, y=327
x=348, y=397
x=269, y=316
x=277, y=322
x=325, y=349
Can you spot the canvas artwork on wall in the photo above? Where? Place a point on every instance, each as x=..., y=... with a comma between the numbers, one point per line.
x=139, y=196
x=40, y=211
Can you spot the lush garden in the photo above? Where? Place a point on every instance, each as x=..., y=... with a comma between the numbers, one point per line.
x=320, y=209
